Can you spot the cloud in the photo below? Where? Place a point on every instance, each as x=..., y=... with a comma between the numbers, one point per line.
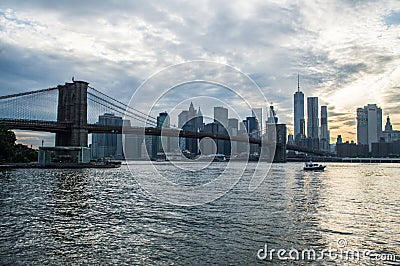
x=346, y=52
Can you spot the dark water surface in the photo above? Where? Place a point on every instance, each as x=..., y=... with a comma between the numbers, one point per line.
x=102, y=216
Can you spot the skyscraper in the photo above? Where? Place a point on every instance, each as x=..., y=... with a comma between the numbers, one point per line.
x=251, y=126
x=107, y=144
x=190, y=120
x=160, y=144
x=324, y=132
x=362, y=126
x=258, y=113
x=299, y=126
x=221, y=119
x=312, y=122
x=312, y=117
x=221, y=116
x=233, y=131
x=369, y=124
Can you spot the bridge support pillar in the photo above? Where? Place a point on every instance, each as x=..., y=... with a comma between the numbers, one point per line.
x=72, y=110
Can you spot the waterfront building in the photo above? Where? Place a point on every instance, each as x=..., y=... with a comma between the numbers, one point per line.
x=389, y=134
x=299, y=122
x=312, y=123
x=350, y=149
x=271, y=116
x=221, y=119
x=280, y=151
x=133, y=146
x=107, y=145
x=190, y=120
x=369, y=124
x=221, y=116
x=324, y=140
x=163, y=142
x=384, y=149
x=233, y=131
x=290, y=139
x=252, y=130
x=339, y=139
x=258, y=113
x=216, y=146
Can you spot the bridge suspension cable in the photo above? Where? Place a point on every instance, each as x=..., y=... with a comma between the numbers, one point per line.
x=125, y=106
x=33, y=105
x=26, y=93
x=120, y=110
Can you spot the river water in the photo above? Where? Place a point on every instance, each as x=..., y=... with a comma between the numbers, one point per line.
x=103, y=216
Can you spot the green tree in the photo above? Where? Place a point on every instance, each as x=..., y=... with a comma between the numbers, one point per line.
x=12, y=152
x=7, y=142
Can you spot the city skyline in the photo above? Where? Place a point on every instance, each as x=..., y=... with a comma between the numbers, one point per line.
x=346, y=59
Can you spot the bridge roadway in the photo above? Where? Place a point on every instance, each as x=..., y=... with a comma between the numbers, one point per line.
x=54, y=127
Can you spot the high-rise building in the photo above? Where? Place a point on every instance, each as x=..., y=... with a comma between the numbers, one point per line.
x=299, y=128
x=133, y=146
x=216, y=146
x=221, y=118
x=251, y=126
x=233, y=131
x=324, y=138
x=271, y=116
x=160, y=144
x=362, y=126
x=312, y=122
x=183, y=117
x=190, y=120
x=107, y=145
x=221, y=115
x=312, y=117
x=258, y=113
x=369, y=124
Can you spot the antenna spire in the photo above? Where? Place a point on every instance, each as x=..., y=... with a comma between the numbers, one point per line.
x=298, y=82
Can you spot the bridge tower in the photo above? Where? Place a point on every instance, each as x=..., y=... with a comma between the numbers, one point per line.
x=72, y=110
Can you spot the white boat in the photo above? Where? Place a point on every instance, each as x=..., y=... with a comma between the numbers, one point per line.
x=310, y=166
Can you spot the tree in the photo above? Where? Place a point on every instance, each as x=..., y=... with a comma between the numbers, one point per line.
x=7, y=142
x=12, y=152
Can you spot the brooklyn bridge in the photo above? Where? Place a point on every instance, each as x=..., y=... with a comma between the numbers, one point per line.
x=70, y=111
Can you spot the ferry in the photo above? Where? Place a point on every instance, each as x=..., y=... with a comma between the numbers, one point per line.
x=310, y=166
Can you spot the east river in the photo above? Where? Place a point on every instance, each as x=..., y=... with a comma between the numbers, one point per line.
x=349, y=214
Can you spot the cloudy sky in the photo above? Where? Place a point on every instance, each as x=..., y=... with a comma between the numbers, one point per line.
x=347, y=52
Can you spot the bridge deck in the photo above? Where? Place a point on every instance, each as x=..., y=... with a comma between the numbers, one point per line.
x=54, y=127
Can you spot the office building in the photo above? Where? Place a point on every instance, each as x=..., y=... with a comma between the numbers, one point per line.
x=324, y=138
x=369, y=124
x=299, y=122
x=190, y=120
x=107, y=145
x=133, y=146
x=221, y=116
x=251, y=127
x=216, y=146
x=271, y=116
x=161, y=144
x=258, y=113
x=233, y=131
x=312, y=123
x=389, y=134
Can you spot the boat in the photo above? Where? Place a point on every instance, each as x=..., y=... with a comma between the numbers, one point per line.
x=310, y=166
